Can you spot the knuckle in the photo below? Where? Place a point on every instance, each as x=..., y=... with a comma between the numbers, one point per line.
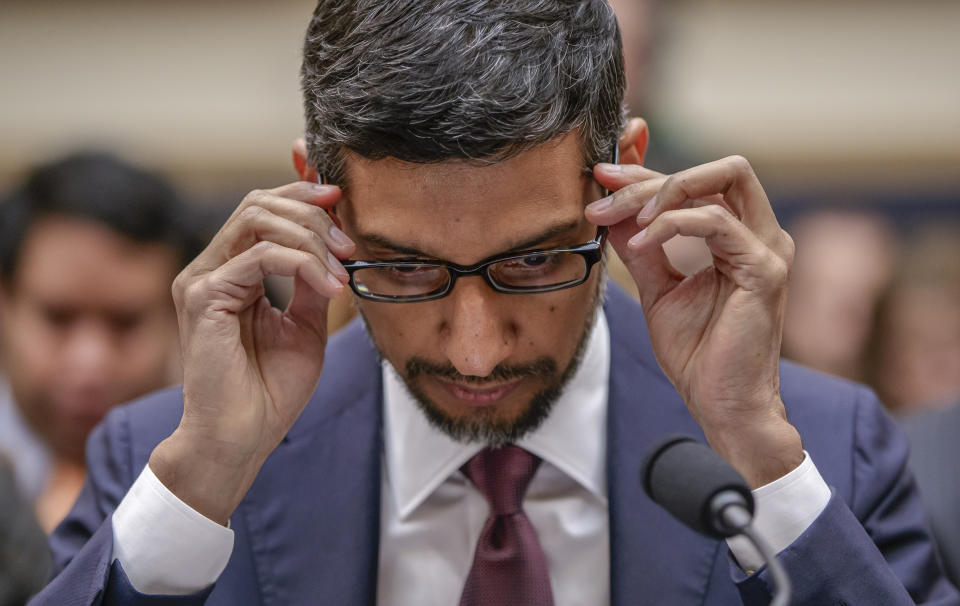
x=629, y=192
x=789, y=247
x=717, y=212
x=178, y=287
x=739, y=164
x=670, y=182
x=263, y=247
x=315, y=240
x=779, y=270
x=256, y=196
x=195, y=291
x=252, y=211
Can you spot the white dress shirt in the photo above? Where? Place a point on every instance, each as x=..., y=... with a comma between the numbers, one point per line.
x=431, y=516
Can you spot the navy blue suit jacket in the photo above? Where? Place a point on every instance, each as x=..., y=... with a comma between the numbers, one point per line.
x=308, y=530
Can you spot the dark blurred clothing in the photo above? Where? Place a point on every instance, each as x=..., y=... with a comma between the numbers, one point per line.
x=935, y=444
x=25, y=559
x=28, y=455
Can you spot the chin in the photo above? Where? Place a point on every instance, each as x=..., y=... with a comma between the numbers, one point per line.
x=494, y=424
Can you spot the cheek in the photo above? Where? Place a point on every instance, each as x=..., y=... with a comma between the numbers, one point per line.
x=144, y=354
x=31, y=347
x=398, y=330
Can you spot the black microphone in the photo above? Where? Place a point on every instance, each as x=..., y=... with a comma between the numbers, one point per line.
x=699, y=488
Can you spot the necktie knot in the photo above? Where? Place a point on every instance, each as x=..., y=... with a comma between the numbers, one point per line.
x=502, y=476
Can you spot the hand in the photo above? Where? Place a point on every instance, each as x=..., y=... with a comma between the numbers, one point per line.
x=249, y=368
x=716, y=334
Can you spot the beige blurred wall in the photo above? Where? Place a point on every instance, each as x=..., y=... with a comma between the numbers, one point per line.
x=208, y=90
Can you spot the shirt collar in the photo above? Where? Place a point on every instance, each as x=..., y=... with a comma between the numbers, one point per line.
x=573, y=438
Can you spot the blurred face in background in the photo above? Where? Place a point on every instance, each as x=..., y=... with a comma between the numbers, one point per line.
x=919, y=362
x=86, y=323
x=844, y=262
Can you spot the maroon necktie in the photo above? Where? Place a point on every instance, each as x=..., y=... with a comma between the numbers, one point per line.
x=509, y=568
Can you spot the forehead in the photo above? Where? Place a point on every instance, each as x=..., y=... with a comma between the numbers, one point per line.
x=80, y=262
x=459, y=210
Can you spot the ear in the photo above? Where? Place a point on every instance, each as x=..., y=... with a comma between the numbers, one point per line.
x=634, y=141
x=300, y=164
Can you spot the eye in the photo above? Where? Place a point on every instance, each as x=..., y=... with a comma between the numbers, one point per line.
x=58, y=317
x=125, y=322
x=533, y=260
x=408, y=269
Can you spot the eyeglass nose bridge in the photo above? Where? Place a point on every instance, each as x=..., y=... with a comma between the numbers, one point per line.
x=482, y=269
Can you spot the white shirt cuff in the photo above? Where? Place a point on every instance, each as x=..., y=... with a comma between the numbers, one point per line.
x=785, y=508
x=165, y=546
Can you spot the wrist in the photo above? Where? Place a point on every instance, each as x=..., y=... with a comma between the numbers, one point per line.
x=209, y=477
x=762, y=451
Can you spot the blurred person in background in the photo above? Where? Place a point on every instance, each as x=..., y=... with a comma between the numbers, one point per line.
x=915, y=347
x=25, y=559
x=916, y=367
x=89, y=246
x=844, y=262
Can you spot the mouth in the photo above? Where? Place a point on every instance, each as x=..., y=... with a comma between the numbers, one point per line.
x=473, y=395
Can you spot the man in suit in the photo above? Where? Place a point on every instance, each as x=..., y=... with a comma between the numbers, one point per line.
x=476, y=438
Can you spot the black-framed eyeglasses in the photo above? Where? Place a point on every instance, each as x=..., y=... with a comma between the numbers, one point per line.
x=535, y=271
x=519, y=273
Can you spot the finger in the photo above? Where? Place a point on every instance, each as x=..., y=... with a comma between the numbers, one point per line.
x=628, y=202
x=734, y=179
x=317, y=194
x=229, y=287
x=312, y=216
x=649, y=266
x=616, y=176
x=257, y=224
x=253, y=220
x=745, y=258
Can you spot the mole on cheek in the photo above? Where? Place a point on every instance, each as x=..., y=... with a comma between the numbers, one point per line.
x=553, y=308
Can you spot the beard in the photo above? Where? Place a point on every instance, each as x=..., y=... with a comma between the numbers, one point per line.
x=483, y=424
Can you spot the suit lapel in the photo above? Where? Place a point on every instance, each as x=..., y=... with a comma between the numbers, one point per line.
x=653, y=558
x=314, y=512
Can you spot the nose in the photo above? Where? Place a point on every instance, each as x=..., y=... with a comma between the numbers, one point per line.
x=89, y=355
x=477, y=329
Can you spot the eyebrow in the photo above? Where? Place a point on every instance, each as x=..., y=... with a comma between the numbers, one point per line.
x=547, y=234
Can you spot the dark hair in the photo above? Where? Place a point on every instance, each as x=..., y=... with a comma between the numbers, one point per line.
x=98, y=187
x=474, y=79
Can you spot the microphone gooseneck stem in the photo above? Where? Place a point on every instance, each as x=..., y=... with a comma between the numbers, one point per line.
x=737, y=516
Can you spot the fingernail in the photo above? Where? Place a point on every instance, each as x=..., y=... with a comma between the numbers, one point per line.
x=610, y=168
x=332, y=279
x=320, y=188
x=636, y=240
x=336, y=267
x=600, y=205
x=647, y=211
x=339, y=238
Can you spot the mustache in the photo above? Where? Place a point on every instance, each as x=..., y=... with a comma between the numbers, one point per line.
x=541, y=367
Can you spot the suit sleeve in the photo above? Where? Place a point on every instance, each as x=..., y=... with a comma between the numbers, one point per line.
x=85, y=573
x=874, y=547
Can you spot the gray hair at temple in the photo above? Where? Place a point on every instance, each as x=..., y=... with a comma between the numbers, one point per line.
x=480, y=80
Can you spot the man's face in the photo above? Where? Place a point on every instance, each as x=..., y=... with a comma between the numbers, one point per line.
x=87, y=323
x=483, y=365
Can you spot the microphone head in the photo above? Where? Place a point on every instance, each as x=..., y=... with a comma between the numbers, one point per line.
x=684, y=477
